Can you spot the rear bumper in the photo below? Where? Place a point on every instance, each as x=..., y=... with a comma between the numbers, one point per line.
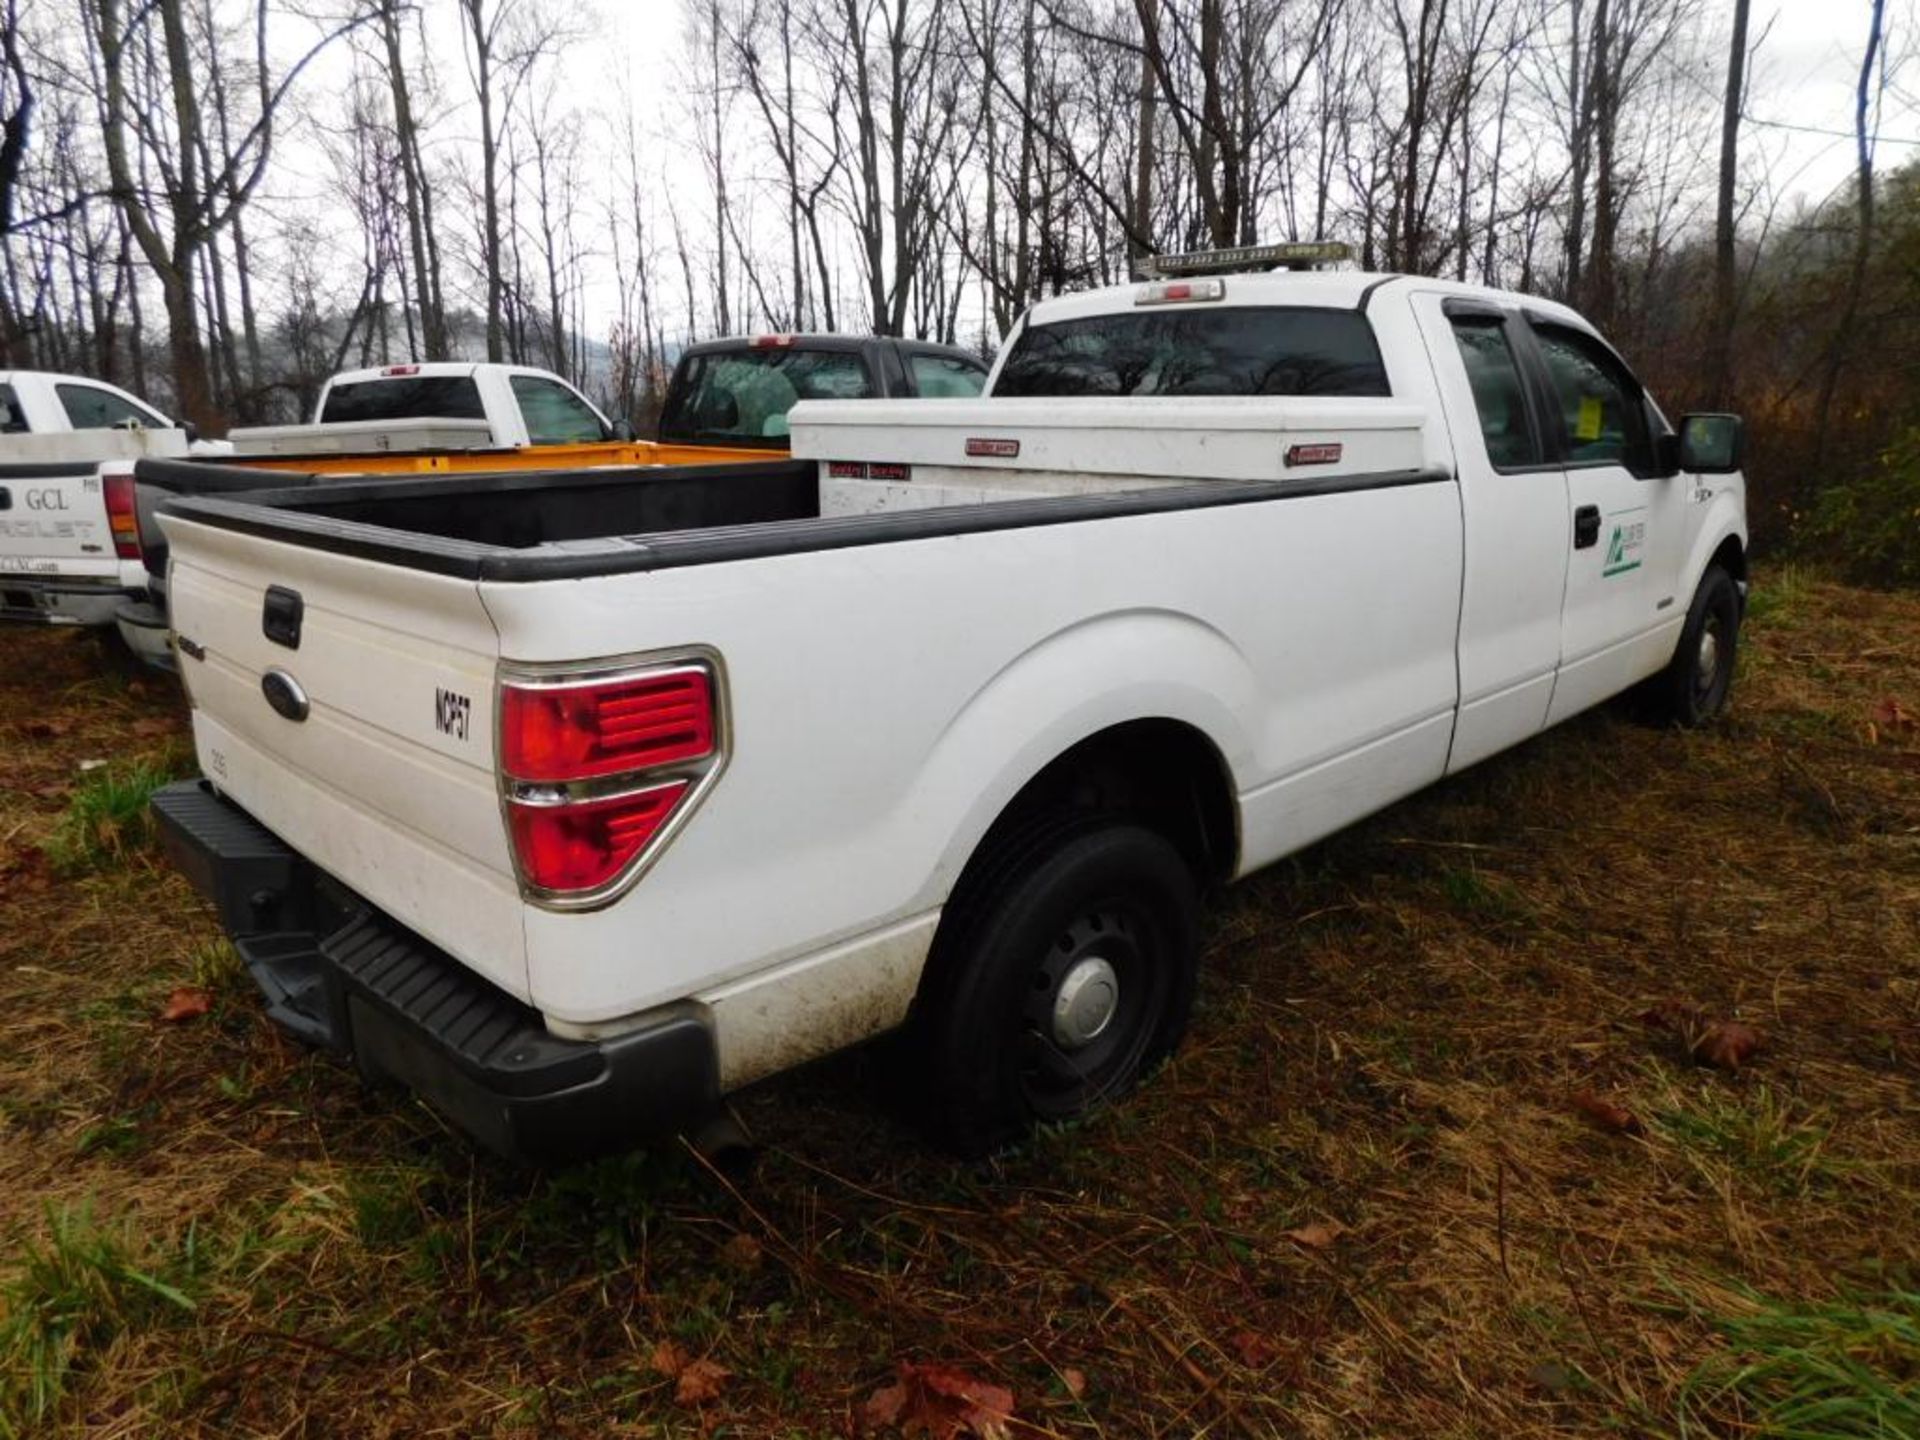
x=144, y=630
x=45, y=600
x=341, y=975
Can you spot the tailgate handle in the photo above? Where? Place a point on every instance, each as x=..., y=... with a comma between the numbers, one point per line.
x=280, y=616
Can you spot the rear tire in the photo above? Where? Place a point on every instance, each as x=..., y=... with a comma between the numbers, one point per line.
x=1063, y=972
x=1692, y=690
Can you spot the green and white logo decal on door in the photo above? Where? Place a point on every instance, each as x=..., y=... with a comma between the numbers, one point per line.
x=1626, y=542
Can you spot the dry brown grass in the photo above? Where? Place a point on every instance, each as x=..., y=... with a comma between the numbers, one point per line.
x=1392, y=1030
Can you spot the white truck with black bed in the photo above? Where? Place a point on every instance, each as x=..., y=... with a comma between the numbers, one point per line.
x=577, y=804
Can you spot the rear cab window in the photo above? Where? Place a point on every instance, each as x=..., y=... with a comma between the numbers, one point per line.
x=404, y=397
x=744, y=395
x=554, y=414
x=1244, y=350
x=89, y=407
x=13, y=419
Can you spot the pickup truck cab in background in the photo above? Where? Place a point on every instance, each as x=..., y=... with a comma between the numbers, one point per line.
x=738, y=391
x=438, y=405
x=36, y=402
x=575, y=804
x=66, y=556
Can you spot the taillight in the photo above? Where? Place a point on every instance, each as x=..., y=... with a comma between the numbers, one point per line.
x=599, y=768
x=585, y=844
x=578, y=731
x=123, y=515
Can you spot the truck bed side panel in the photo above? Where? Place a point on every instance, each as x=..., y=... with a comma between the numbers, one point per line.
x=894, y=697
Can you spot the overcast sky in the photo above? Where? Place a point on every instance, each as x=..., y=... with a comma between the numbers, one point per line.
x=1805, y=76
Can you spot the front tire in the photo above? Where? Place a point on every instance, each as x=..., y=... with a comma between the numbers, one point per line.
x=1692, y=690
x=1064, y=972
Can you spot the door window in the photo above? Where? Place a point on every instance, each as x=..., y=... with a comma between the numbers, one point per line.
x=91, y=408
x=1603, y=415
x=1499, y=395
x=554, y=414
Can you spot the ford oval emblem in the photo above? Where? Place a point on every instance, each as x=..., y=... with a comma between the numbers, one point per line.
x=284, y=694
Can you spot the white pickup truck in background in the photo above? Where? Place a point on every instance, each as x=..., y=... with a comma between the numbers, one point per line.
x=68, y=554
x=443, y=405
x=576, y=802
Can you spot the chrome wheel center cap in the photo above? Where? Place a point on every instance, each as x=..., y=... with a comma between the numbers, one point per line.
x=1084, y=1005
x=1708, y=661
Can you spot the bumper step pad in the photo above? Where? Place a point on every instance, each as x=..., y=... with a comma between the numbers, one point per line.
x=344, y=976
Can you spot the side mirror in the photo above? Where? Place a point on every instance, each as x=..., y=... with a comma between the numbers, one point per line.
x=620, y=430
x=1712, y=444
x=190, y=430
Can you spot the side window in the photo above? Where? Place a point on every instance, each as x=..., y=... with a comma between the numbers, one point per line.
x=1602, y=413
x=89, y=408
x=941, y=377
x=554, y=414
x=13, y=420
x=1498, y=393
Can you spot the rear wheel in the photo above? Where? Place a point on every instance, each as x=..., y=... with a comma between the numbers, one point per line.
x=1064, y=971
x=1693, y=688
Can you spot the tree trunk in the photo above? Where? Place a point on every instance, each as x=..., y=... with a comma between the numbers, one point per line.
x=1139, y=243
x=1863, y=241
x=1720, y=340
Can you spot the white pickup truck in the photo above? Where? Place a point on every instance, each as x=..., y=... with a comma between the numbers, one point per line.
x=441, y=405
x=68, y=553
x=576, y=804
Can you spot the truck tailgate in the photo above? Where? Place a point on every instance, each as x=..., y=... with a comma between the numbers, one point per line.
x=386, y=781
x=53, y=520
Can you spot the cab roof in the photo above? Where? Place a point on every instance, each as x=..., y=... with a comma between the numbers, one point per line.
x=1316, y=289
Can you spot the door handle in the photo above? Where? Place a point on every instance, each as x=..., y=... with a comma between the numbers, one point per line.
x=1586, y=527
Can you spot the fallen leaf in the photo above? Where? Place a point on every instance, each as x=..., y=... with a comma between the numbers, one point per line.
x=1075, y=1381
x=669, y=1357
x=742, y=1252
x=941, y=1403
x=26, y=871
x=1890, y=717
x=1318, y=1235
x=1255, y=1350
x=150, y=726
x=1725, y=1044
x=1608, y=1116
x=186, y=1002
x=700, y=1381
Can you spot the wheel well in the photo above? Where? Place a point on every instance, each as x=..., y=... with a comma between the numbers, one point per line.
x=1732, y=558
x=1163, y=773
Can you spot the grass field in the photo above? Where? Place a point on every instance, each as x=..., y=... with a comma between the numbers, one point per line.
x=1437, y=1159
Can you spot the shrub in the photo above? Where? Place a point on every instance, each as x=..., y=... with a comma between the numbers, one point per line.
x=1869, y=527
